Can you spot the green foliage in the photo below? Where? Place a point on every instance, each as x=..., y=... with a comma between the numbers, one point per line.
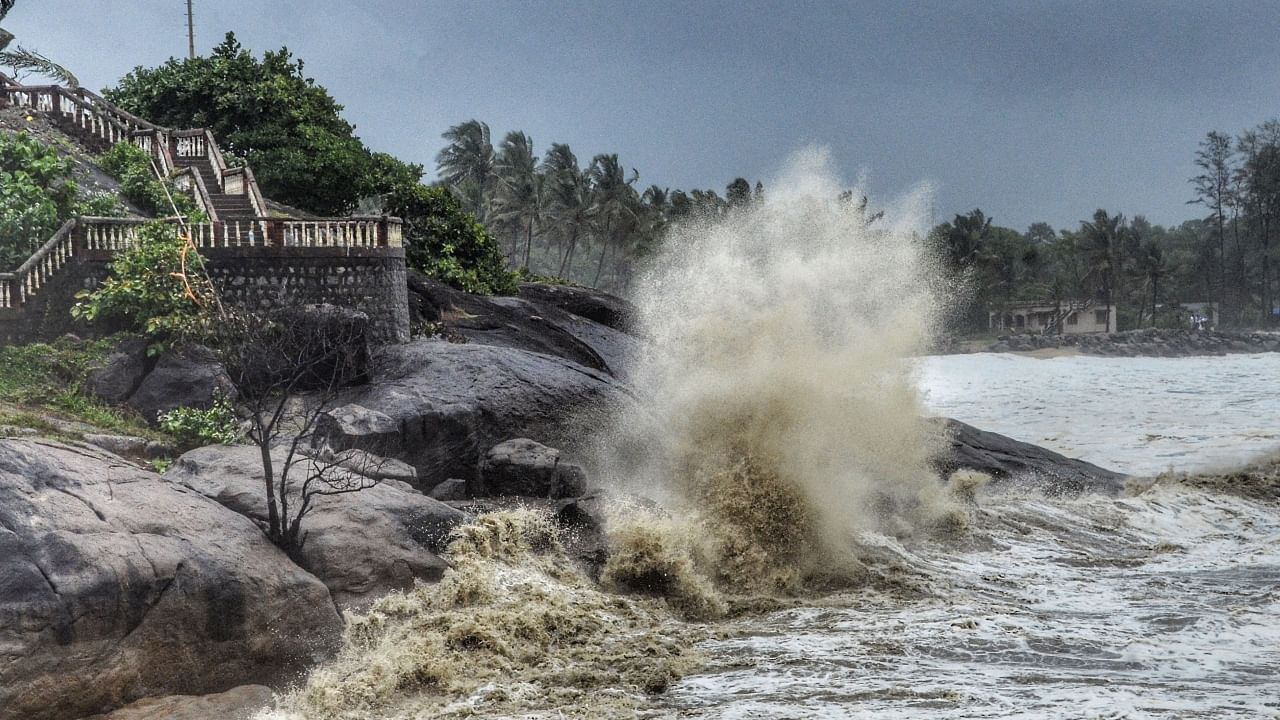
x=445, y=242
x=157, y=287
x=37, y=195
x=288, y=128
x=132, y=167
x=194, y=428
x=49, y=375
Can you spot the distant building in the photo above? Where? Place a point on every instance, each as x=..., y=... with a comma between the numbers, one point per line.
x=1077, y=317
x=1206, y=310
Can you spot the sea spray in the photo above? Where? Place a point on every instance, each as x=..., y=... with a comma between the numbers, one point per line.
x=778, y=415
x=513, y=627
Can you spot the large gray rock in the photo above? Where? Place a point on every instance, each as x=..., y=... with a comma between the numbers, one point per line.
x=603, y=308
x=116, y=585
x=361, y=544
x=191, y=377
x=576, y=324
x=1001, y=457
x=240, y=703
x=524, y=467
x=120, y=373
x=451, y=402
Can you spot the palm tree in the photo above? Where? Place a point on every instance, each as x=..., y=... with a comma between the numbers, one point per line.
x=612, y=201
x=466, y=164
x=1152, y=265
x=521, y=191
x=1102, y=240
x=23, y=59
x=570, y=193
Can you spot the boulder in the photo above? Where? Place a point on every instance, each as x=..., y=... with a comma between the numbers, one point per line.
x=450, y=403
x=116, y=585
x=239, y=703
x=525, y=467
x=1004, y=458
x=537, y=321
x=600, y=307
x=120, y=373
x=360, y=544
x=191, y=377
x=451, y=490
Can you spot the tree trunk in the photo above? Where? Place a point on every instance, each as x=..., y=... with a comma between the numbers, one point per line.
x=604, y=251
x=1155, y=284
x=528, y=244
x=568, y=253
x=273, y=511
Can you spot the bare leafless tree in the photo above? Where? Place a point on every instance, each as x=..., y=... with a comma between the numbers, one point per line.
x=288, y=367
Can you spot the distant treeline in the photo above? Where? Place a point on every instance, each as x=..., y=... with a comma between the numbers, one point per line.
x=1143, y=270
x=583, y=222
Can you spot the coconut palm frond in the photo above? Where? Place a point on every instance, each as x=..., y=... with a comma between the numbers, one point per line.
x=6, y=37
x=30, y=60
x=5, y=7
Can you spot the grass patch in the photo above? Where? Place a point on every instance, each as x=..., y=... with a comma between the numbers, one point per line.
x=49, y=378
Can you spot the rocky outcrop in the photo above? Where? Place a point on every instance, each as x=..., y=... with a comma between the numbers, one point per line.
x=608, y=310
x=115, y=585
x=361, y=544
x=120, y=372
x=1004, y=458
x=240, y=703
x=191, y=377
x=440, y=406
x=576, y=324
x=524, y=467
x=1147, y=342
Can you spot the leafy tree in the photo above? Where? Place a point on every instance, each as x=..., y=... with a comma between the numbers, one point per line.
x=738, y=193
x=288, y=128
x=522, y=198
x=468, y=165
x=612, y=202
x=570, y=191
x=446, y=242
x=157, y=286
x=1215, y=158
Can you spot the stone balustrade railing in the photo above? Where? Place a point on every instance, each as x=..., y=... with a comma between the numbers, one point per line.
x=110, y=235
x=17, y=286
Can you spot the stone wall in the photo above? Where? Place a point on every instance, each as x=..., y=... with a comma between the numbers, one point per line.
x=371, y=280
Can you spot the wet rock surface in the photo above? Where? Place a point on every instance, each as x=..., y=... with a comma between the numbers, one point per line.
x=524, y=467
x=239, y=703
x=116, y=584
x=1003, y=458
x=191, y=377
x=584, y=326
x=361, y=544
x=439, y=406
x=1150, y=342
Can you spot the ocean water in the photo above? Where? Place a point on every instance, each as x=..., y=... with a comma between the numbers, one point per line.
x=1135, y=415
x=1165, y=604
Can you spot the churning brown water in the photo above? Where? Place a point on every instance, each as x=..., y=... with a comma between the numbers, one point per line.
x=804, y=562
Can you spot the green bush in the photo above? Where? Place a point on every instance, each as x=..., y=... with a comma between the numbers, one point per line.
x=132, y=168
x=49, y=375
x=37, y=195
x=194, y=428
x=446, y=242
x=157, y=287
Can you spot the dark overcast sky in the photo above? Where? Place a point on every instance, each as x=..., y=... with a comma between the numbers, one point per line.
x=1029, y=110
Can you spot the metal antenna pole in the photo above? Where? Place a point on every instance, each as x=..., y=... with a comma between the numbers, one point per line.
x=191, y=32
